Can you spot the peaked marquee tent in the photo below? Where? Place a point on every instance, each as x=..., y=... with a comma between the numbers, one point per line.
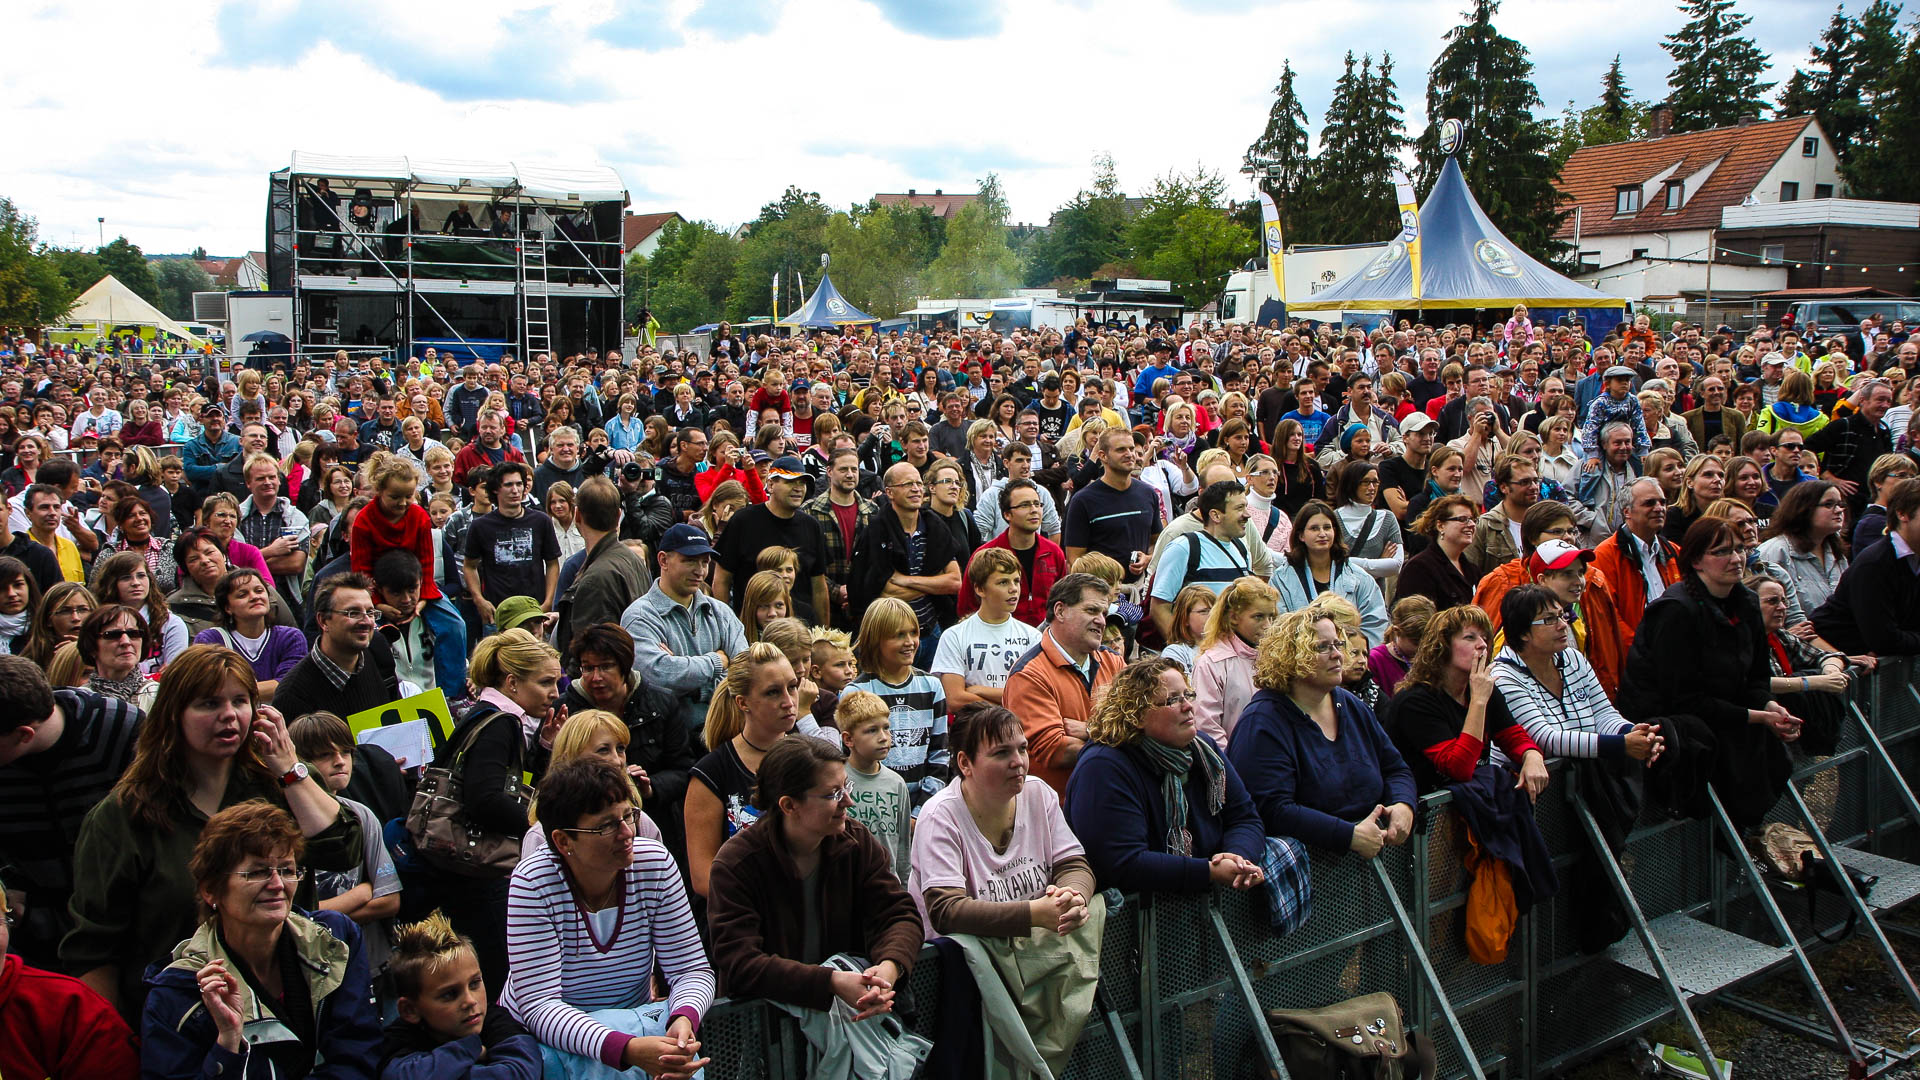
x=109, y=303
x=1464, y=263
x=826, y=309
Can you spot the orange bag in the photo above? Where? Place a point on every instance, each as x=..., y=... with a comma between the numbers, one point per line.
x=1491, y=912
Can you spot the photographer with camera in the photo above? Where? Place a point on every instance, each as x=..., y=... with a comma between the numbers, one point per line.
x=1482, y=445
x=646, y=514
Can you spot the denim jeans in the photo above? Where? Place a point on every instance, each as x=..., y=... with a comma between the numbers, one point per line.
x=449, y=646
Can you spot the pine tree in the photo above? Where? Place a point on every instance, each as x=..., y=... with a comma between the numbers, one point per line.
x=1483, y=79
x=1282, y=147
x=1888, y=167
x=1716, y=72
x=1349, y=197
x=1616, y=101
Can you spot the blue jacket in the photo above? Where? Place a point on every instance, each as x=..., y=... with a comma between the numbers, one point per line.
x=1349, y=581
x=177, y=1036
x=412, y=1054
x=1114, y=804
x=1306, y=787
x=203, y=458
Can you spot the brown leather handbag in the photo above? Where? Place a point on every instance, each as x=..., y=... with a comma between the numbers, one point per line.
x=438, y=825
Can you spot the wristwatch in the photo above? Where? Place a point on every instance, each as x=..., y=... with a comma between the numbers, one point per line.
x=294, y=775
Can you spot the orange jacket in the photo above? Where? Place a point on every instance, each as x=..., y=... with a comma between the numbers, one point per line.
x=1606, y=637
x=1629, y=584
x=1045, y=690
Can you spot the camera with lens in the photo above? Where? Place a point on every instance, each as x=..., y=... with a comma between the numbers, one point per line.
x=596, y=459
x=633, y=472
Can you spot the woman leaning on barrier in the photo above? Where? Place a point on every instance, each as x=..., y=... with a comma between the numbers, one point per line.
x=1159, y=807
x=993, y=859
x=1316, y=762
x=1698, y=668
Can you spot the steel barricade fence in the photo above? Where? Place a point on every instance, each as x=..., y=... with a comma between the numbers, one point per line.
x=1185, y=980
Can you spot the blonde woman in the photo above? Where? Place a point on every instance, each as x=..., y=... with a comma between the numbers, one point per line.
x=589, y=733
x=756, y=703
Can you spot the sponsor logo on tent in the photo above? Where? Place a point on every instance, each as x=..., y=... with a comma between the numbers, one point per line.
x=835, y=306
x=1386, y=260
x=1496, y=258
x=1452, y=132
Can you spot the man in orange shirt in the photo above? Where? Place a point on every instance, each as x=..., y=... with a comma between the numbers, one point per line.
x=1052, y=688
x=1636, y=560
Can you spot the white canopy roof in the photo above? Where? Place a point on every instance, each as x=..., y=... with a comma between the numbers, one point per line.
x=109, y=303
x=580, y=183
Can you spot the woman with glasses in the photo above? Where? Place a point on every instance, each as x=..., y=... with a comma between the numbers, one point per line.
x=207, y=744
x=592, y=913
x=1804, y=536
x=1698, y=668
x=259, y=989
x=1887, y=470
x=1372, y=534
x=1163, y=808
x=56, y=620
x=1316, y=763
x=1440, y=572
x=993, y=857
x=1551, y=690
x=804, y=897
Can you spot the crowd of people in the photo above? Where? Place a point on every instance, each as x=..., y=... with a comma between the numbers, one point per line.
x=769, y=665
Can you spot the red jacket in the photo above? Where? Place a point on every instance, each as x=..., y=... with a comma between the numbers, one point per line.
x=53, y=1026
x=1629, y=584
x=373, y=536
x=1049, y=566
x=471, y=457
x=705, y=482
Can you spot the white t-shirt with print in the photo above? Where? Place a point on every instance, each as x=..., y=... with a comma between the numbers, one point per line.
x=949, y=852
x=983, y=653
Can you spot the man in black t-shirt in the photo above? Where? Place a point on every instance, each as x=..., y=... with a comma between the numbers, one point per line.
x=1115, y=515
x=1404, y=475
x=511, y=551
x=775, y=523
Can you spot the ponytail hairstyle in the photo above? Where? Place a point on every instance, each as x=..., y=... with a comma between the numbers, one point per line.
x=725, y=717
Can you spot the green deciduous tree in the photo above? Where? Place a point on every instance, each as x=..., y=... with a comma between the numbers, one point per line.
x=1086, y=233
x=687, y=279
x=178, y=280
x=1716, y=68
x=789, y=236
x=881, y=253
x=123, y=259
x=976, y=261
x=33, y=292
x=1205, y=246
x=1166, y=201
x=1485, y=80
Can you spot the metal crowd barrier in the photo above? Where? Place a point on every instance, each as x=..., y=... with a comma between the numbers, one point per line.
x=1185, y=980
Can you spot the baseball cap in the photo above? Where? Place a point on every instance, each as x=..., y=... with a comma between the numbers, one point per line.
x=1556, y=555
x=1619, y=371
x=688, y=540
x=786, y=467
x=517, y=611
x=760, y=456
x=1773, y=359
x=1416, y=421
x=1159, y=345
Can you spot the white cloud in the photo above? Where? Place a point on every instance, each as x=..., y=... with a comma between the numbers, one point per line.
x=712, y=107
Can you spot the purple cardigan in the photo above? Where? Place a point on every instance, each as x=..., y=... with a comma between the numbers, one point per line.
x=286, y=647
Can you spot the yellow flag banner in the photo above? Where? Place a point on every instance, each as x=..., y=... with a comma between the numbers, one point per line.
x=1409, y=225
x=1276, y=249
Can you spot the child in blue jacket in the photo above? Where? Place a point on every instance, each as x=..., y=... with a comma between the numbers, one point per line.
x=445, y=1030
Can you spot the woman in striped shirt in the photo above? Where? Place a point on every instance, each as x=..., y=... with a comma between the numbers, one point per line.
x=1550, y=689
x=588, y=917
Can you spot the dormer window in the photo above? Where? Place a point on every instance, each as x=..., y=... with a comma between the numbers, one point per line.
x=1626, y=200
x=1676, y=194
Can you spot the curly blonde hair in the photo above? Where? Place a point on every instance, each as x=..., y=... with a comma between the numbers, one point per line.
x=1338, y=608
x=1287, y=652
x=1116, y=719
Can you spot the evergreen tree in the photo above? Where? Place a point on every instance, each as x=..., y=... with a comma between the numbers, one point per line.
x=1716, y=68
x=1349, y=197
x=1616, y=118
x=1282, y=147
x=1616, y=101
x=1888, y=167
x=1483, y=79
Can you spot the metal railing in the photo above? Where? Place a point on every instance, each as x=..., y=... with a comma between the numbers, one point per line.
x=1185, y=980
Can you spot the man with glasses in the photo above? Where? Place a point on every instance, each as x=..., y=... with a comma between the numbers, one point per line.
x=898, y=554
x=350, y=667
x=1850, y=445
x=1637, y=561
x=512, y=550
x=1497, y=540
x=776, y=523
x=1789, y=448
x=677, y=472
x=1021, y=505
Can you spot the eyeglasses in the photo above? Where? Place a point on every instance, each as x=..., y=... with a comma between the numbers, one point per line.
x=119, y=633
x=1531, y=481
x=1031, y=505
x=1329, y=648
x=1174, y=701
x=73, y=610
x=1562, y=531
x=1469, y=521
x=630, y=819
x=355, y=614
x=911, y=485
x=845, y=791
x=291, y=875
x=1832, y=504
x=1561, y=617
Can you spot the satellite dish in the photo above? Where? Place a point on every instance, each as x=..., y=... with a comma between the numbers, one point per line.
x=1452, y=134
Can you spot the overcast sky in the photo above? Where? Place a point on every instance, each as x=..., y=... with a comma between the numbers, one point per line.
x=712, y=107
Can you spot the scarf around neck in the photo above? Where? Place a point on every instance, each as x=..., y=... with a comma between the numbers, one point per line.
x=1174, y=766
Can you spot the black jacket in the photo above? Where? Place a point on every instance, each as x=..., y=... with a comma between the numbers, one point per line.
x=646, y=517
x=659, y=744
x=40, y=560
x=880, y=551
x=1875, y=608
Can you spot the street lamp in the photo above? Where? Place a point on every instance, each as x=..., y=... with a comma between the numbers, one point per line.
x=102, y=223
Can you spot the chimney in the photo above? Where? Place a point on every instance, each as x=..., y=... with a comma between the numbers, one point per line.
x=911, y=193
x=1660, y=121
x=1745, y=120
x=937, y=191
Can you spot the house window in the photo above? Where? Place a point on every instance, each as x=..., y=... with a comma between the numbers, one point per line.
x=1590, y=258
x=1773, y=253
x=1823, y=191
x=1626, y=200
x=1809, y=147
x=1789, y=191
x=1676, y=194
x=1639, y=253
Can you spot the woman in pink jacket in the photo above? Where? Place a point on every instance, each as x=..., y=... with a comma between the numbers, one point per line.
x=1223, y=663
